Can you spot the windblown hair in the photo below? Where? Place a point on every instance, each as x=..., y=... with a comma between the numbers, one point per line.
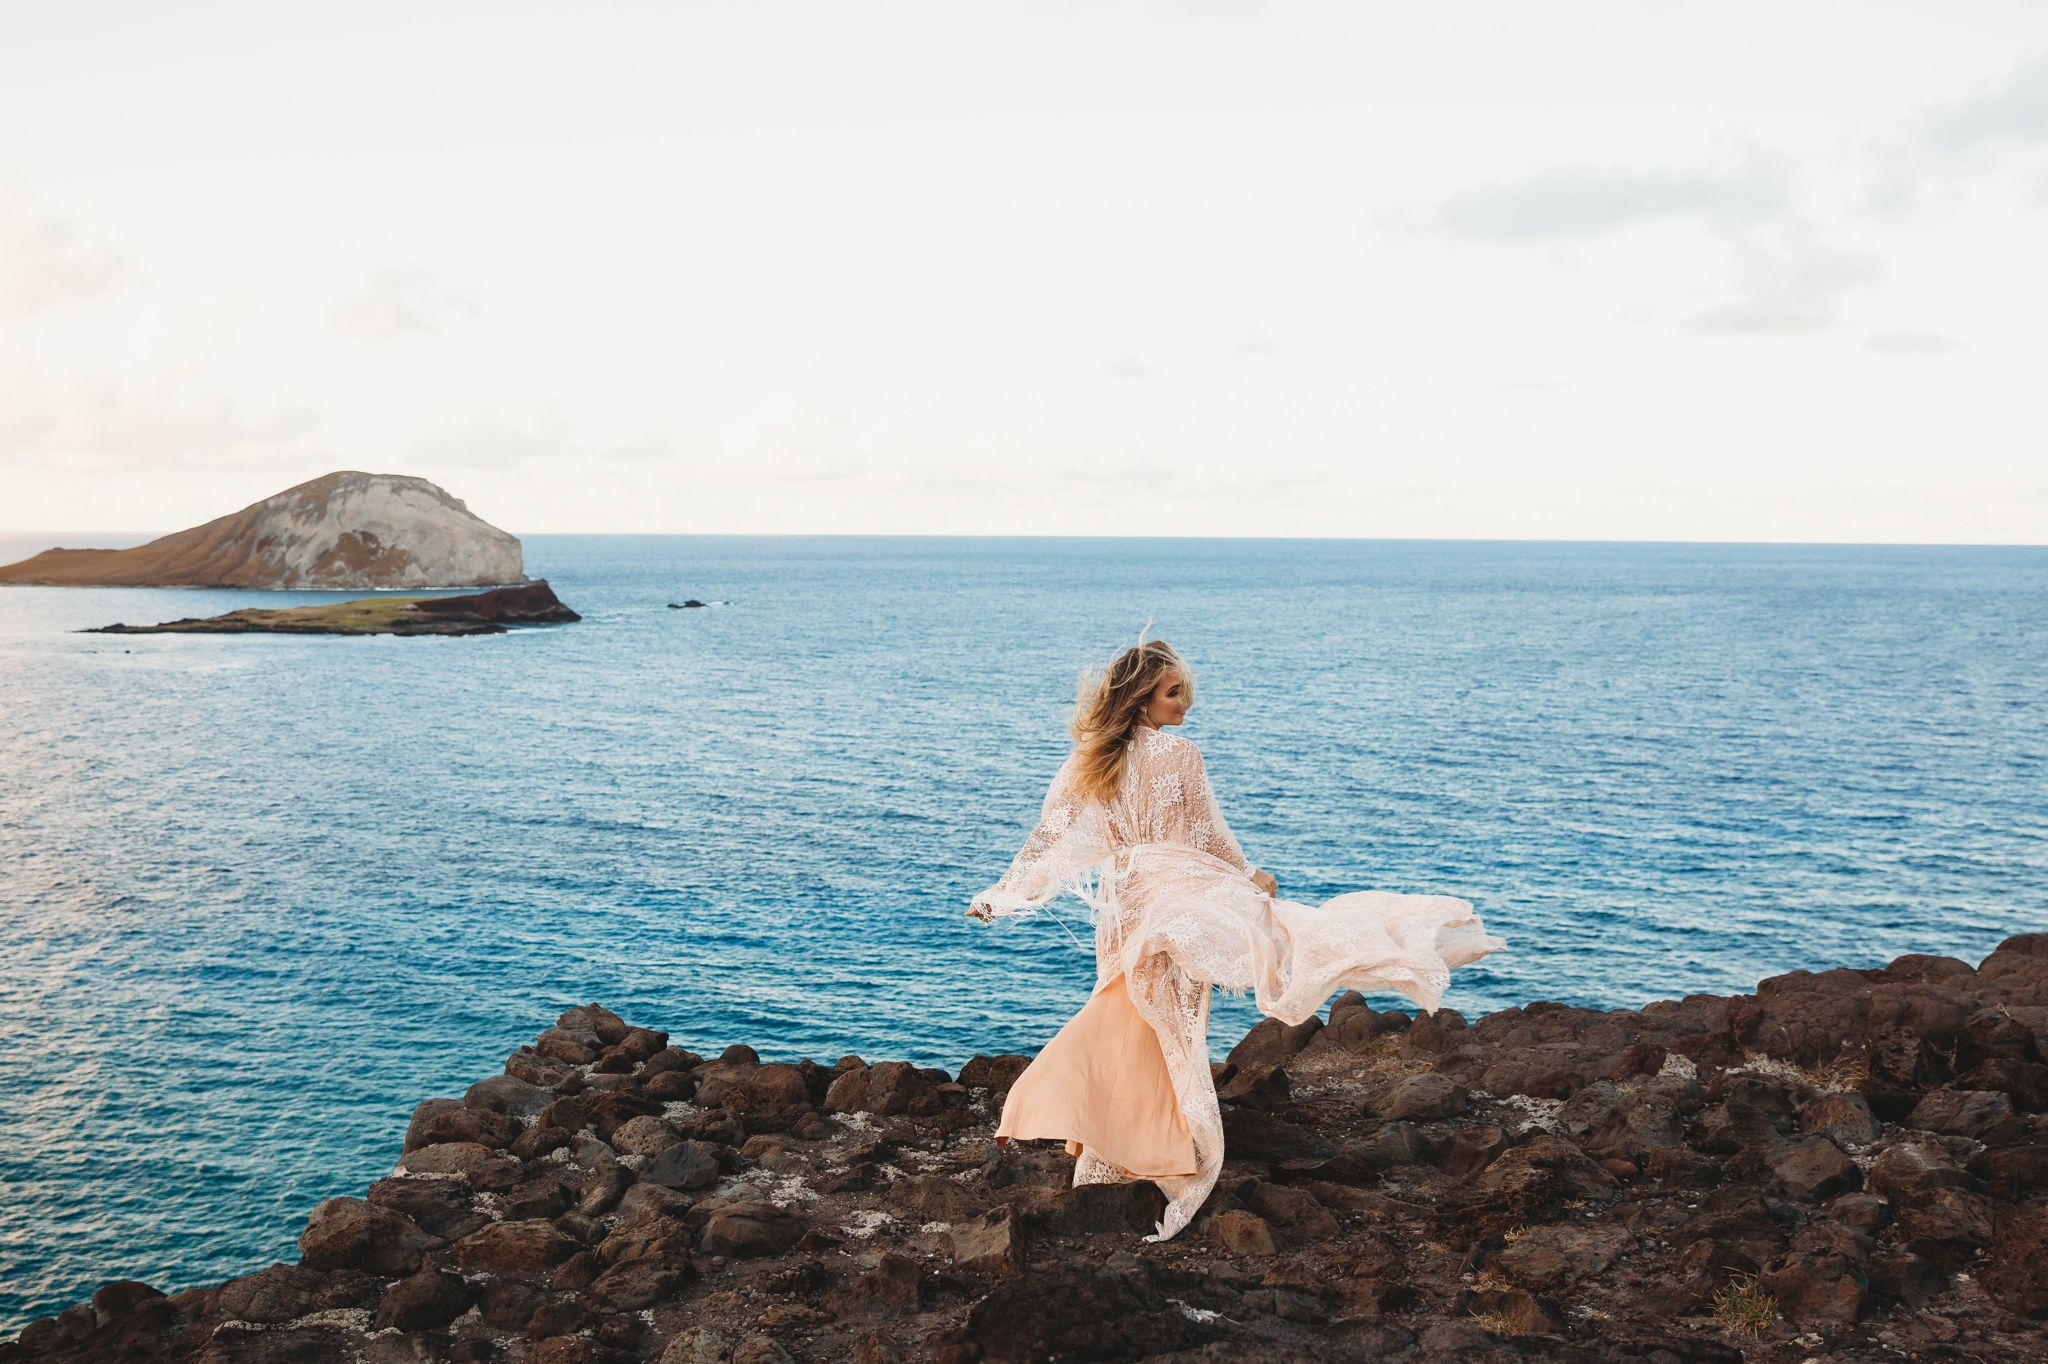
x=1106, y=713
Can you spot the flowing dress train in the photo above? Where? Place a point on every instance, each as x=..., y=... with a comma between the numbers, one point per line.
x=1176, y=914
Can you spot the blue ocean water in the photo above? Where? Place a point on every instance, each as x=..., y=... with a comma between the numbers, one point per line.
x=260, y=895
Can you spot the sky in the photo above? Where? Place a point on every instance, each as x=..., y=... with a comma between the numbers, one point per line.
x=1635, y=271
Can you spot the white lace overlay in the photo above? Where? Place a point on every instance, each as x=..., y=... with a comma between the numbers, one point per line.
x=1176, y=913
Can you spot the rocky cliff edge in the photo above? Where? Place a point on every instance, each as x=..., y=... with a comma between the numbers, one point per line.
x=1851, y=1165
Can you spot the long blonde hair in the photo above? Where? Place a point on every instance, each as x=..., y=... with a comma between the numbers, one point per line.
x=1106, y=713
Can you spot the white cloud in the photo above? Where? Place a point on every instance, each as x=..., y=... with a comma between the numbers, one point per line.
x=493, y=439
x=1586, y=203
x=48, y=259
x=399, y=302
x=1793, y=288
x=2017, y=111
x=1127, y=367
x=1913, y=343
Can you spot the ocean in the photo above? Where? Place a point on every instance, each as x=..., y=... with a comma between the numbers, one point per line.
x=261, y=895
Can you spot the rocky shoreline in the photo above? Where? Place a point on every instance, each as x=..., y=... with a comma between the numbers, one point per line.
x=1851, y=1165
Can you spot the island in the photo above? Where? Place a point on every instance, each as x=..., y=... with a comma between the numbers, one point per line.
x=485, y=613
x=1845, y=1165
x=345, y=531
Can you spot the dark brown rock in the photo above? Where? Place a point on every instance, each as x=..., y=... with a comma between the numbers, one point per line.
x=1270, y=1042
x=1817, y=1290
x=506, y=1247
x=1421, y=1098
x=279, y=1293
x=745, y=1231
x=426, y=1301
x=635, y=1284
x=1079, y=1313
x=686, y=1165
x=350, y=1233
x=1816, y=1170
x=886, y=1090
x=436, y=1123
x=1844, y=1118
x=507, y=1305
x=1908, y=1168
x=1947, y=1226
x=507, y=1095
x=988, y=1247
x=1960, y=1113
x=441, y=1207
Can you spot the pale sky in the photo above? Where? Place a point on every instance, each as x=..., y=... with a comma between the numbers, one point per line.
x=1727, y=270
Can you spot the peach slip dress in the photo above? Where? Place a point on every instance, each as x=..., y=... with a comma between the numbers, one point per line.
x=1126, y=1083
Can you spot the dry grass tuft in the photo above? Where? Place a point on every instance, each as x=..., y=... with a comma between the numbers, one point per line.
x=1744, y=1308
x=1494, y=1323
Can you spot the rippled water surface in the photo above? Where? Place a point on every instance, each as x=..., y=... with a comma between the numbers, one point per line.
x=260, y=895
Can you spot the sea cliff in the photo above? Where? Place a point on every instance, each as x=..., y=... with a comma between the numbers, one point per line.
x=1851, y=1165
x=346, y=531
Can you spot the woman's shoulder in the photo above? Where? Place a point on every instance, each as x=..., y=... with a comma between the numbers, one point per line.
x=1158, y=745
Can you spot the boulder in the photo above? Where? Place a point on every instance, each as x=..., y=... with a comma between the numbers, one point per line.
x=504, y=1094
x=634, y=1285
x=886, y=1090
x=440, y=1121
x=1960, y=1113
x=1816, y=1170
x=1421, y=1098
x=1817, y=1290
x=1236, y=1233
x=743, y=1231
x=426, y=1301
x=1947, y=1226
x=989, y=1247
x=1296, y=1212
x=441, y=1207
x=684, y=1165
x=644, y=1136
x=1270, y=1042
x=279, y=1293
x=445, y=1158
x=1908, y=1168
x=1843, y=1118
x=351, y=1233
x=504, y=1247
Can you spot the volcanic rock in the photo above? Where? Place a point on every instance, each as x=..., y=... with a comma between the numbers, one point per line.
x=344, y=531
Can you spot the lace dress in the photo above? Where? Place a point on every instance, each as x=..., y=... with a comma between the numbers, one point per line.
x=1176, y=914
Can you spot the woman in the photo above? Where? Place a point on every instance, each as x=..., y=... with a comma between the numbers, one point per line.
x=1131, y=826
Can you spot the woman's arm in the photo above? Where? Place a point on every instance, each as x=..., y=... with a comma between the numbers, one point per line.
x=1207, y=829
x=1067, y=843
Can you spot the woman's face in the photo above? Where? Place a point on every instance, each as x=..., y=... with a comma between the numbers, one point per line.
x=1169, y=702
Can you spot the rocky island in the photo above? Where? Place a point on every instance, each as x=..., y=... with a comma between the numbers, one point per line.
x=345, y=531
x=1850, y=1165
x=485, y=613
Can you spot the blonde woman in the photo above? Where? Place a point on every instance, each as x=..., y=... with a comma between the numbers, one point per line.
x=1132, y=827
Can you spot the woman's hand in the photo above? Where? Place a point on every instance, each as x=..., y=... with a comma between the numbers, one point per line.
x=1265, y=882
x=981, y=912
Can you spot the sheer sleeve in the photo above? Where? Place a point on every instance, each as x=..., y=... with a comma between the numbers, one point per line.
x=1207, y=831
x=1069, y=842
